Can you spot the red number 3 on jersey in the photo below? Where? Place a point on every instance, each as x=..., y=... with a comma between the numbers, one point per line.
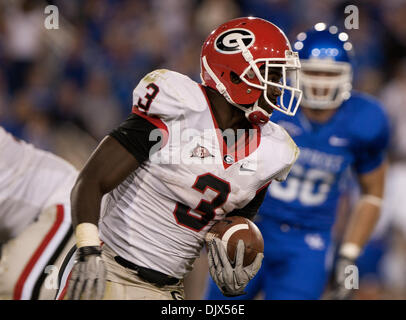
x=154, y=89
x=205, y=208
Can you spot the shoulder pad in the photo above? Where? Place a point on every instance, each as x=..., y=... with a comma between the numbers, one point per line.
x=288, y=151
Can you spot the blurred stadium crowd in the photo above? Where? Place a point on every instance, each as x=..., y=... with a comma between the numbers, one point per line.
x=64, y=89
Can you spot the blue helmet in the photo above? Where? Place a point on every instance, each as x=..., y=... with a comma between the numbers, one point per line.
x=326, y=59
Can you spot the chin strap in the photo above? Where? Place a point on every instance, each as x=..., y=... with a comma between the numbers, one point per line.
x=256, y=115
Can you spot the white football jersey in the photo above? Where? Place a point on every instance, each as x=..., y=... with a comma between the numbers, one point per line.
x=159, y=215
x=30, y=180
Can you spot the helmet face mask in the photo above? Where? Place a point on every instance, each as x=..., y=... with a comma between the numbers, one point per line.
x=240, y=48
x=287, y=66
x=325, y=84
x=326, y=69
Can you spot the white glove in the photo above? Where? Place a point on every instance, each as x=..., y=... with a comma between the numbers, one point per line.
x=231, y=280
x=88, y=277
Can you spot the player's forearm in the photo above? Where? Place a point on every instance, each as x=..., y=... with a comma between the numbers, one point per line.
x=86, y=199
x=85, y=207
x=107, y=167
x=366, y=213
x=360, y=227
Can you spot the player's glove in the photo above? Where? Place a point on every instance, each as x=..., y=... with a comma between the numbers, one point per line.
x=338, y=289
x=88, y=277
x=231, y=280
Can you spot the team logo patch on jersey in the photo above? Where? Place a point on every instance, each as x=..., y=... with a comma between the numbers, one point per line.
x=228, y=159
x=227, y=42
x=201, y=152
x=314, y=241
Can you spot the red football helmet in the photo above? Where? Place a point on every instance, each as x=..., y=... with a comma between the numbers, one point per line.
x=240, y=48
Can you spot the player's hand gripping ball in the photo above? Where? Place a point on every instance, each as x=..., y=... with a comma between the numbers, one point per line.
x=232, y=229
x=235, y=252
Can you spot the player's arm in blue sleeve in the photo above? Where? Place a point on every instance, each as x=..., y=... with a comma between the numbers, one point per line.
x=370, y=165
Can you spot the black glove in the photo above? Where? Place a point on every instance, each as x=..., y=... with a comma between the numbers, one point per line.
x=342, y=287
x=88, y=277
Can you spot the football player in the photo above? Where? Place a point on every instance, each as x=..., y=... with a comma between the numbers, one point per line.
x=35, y=220
x=163, y=197
x=336, y=129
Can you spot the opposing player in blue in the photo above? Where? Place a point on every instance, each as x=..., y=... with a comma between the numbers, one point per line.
x=337, y=130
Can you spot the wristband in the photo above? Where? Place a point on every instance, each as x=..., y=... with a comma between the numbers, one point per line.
x=371, y=199
x=87, y=234
x=350, y=250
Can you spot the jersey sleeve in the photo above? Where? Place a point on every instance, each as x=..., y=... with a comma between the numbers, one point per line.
x=371, y=135
x=159, y=98
x=163, y=94
x=252, y=208
x=289, y=155
x=141, y=135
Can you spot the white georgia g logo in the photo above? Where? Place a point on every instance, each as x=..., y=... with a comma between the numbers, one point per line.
x=227, y=43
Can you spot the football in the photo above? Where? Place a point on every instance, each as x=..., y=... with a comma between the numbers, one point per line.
x=232, y=229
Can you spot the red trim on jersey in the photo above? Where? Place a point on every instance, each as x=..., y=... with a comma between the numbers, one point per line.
x=247, y=144
x=243, y=147
x=156, y=122
x=63, y=293
x=263, y=187
x=18, y=289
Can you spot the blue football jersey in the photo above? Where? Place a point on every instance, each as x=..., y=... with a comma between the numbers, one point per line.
x=355, y=138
